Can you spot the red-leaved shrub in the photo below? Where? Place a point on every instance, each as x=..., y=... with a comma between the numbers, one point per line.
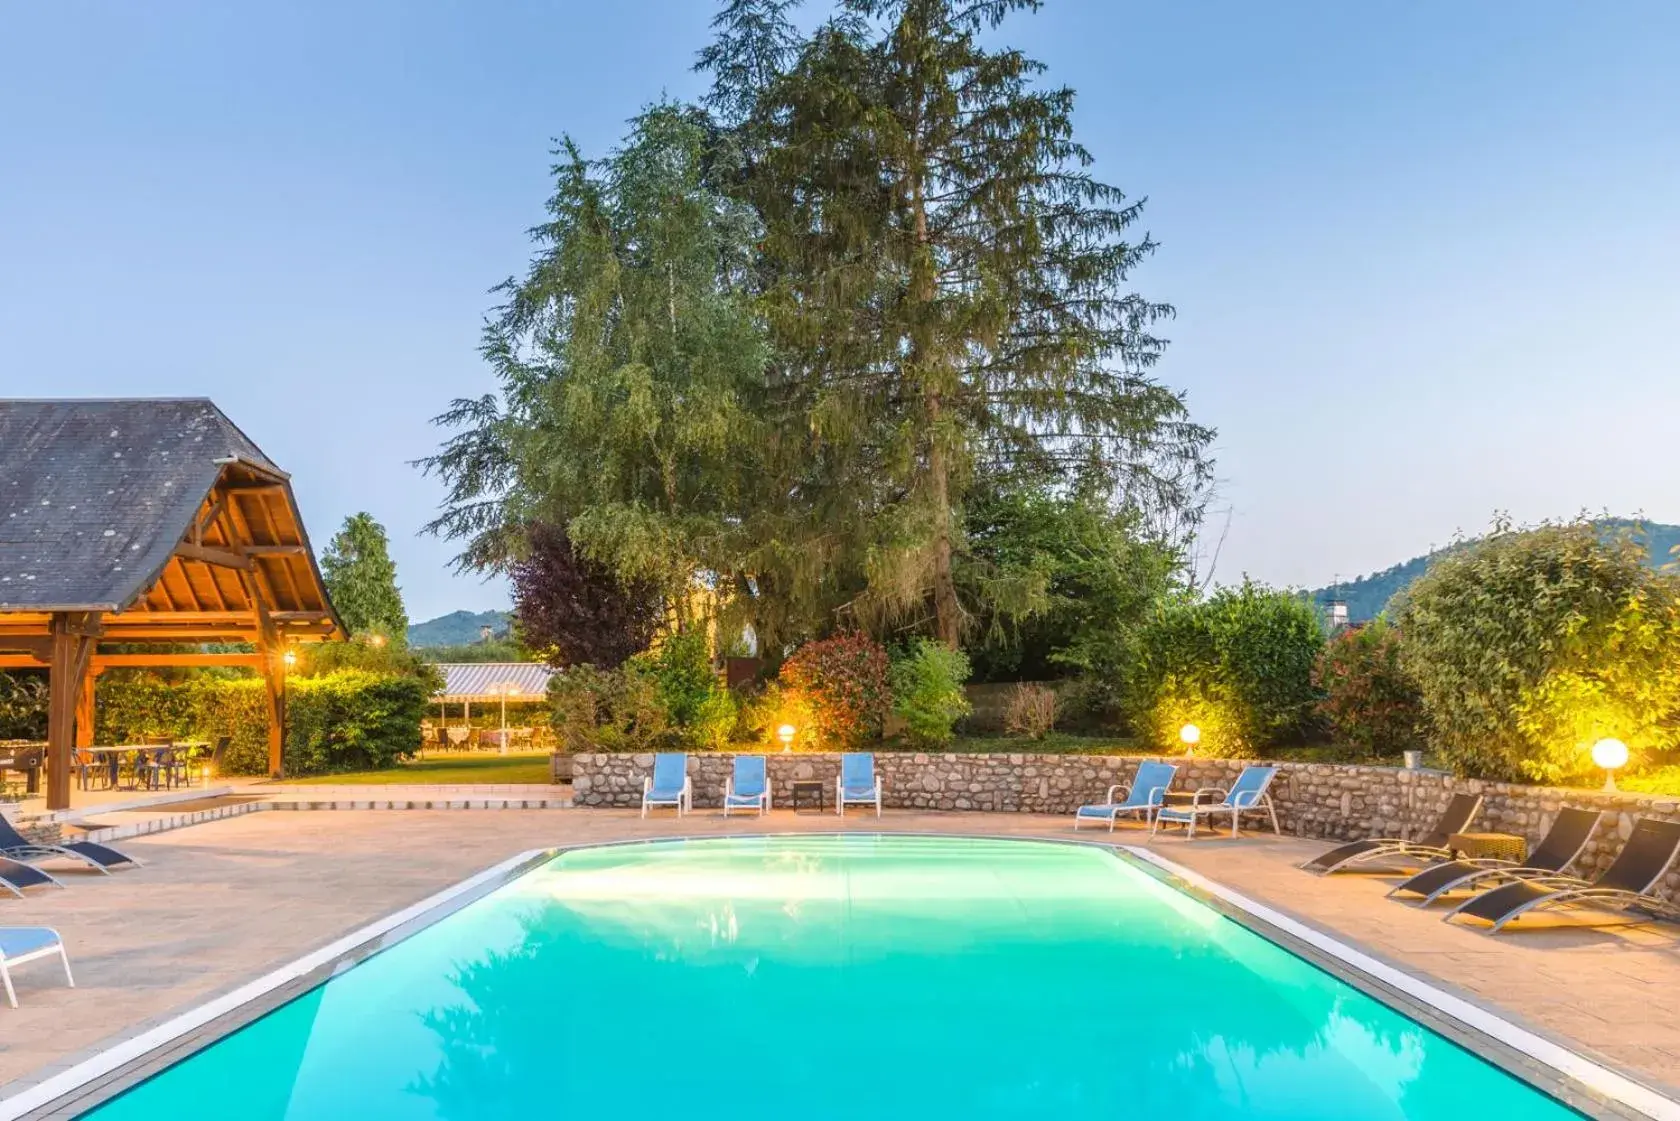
x=843, y=680
x=1370, y=702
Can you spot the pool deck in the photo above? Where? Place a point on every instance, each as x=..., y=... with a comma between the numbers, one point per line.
x=226, y=901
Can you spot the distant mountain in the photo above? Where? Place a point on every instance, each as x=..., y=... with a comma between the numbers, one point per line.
x=458, y=628
x=1366, y=596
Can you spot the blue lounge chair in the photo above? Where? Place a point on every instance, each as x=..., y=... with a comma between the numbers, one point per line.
x=748, y=787
x=20, y=944
x=1145, y=795
x=669, y=784
x=1247, y=795
x=15, y=846
x=15, y=875
x=858, y=783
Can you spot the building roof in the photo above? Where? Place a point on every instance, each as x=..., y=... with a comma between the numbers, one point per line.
x=483, y=681
x=148, y=505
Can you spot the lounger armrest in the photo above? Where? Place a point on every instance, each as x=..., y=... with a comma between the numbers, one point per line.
x=1248, y=799
x=1120, y=786
x=1157, y=795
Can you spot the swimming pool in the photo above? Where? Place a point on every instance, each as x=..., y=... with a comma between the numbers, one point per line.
x=824, y=977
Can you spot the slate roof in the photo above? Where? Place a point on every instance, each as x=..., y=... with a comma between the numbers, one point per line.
x=479, y=680
x=95, y=494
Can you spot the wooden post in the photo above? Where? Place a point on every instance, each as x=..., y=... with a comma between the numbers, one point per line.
x=74, y=635
x=85, y=709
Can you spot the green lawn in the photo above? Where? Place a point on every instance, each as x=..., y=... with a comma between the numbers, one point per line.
x=444, y=770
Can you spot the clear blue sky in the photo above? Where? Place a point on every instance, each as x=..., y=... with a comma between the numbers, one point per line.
x=1426, y=255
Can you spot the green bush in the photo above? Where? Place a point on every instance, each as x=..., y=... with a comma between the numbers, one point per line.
x=596, y=709
x=1238, y=665
x=344, y=721
x=1370, y=702
x=927, y=689
x=842, y=682
x=352, y=720
x=23, y=706
x=1531, y=645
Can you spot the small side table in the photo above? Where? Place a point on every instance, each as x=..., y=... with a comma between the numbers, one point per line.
x=1489, y=846
x=808, y=790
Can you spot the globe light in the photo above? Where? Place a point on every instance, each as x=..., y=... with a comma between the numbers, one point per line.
x=785, y=733
x=1190, y=734
x=1610, y=754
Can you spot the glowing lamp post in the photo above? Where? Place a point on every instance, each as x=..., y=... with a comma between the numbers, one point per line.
x=1610, y=754
x=290, y=658
x=785, y=733
x=1191, y=735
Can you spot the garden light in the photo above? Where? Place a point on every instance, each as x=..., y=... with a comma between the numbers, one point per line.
x=1191, y=735
x=1610, y=754
x=785, y=733
x=289, y=657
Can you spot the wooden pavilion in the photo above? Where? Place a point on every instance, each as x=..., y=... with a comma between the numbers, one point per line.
x=136, y=532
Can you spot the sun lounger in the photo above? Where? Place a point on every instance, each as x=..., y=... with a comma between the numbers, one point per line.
x=20, y=944
x=858, y=783
x=669, y=785
x=1456, y=818
x=15, y=846
x=748, y=787
x=1144, y=796
x=1627, y=883
x=15, y=875
x=1563, y=842
x=1247, y=795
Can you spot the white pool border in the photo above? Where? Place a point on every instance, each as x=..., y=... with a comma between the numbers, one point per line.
x=80, y=1075
x=1568, y=1064
x=1600, y=1079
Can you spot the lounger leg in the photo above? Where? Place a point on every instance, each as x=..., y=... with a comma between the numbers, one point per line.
x=65, y=958
x=6, y=977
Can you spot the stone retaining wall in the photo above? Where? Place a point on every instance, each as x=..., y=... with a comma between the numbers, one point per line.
x=1334, y=801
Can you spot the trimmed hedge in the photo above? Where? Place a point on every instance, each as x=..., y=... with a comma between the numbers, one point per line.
x=350, y=720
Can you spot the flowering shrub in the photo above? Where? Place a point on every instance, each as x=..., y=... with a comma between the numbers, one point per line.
x=843, y=680
x=1370, y=701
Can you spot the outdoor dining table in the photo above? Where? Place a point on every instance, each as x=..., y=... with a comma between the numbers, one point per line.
x=116, y=751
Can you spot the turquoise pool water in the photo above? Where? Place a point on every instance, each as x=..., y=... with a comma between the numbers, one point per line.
x=834, y=977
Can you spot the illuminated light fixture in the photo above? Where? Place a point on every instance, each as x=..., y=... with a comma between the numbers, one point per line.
x=377, y=640
x=785, y=733
x=1191, y=735
x=1610, y=754
x=289, y=657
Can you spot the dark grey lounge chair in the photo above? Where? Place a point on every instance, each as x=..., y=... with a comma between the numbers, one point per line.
x=1456, y=818
x=1563, y=842
x=15, y=846
x=1643, y=861
x=15, y=875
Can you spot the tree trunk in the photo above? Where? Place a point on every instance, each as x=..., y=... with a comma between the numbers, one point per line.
x=926, y=360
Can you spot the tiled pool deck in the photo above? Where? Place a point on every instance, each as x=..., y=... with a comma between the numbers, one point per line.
x=223, y=902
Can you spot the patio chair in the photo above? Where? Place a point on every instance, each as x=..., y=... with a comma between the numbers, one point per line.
x=1249, y=794
x=15, y=875
x=1456, y=818
x=1562, y=843
x=15, y=846
x=748, y=788
x=669, y=785
x=1644, y=860
x=858, y=783
x=1145, y=795
x=20, y=944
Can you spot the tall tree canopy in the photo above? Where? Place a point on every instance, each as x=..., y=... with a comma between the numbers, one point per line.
x=628, y=367
x=947, y=288
x=777, y=345
x=362, y=579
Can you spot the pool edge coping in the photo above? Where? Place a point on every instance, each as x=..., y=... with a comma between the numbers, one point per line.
x=59, y=1089
x=1479, y=1020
